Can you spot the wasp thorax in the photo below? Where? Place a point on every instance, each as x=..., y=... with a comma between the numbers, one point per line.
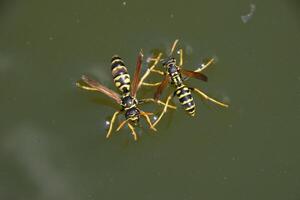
x=172, y=69
x=128, y=101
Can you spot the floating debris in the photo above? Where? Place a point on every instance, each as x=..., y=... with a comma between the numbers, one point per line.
x=247, y=17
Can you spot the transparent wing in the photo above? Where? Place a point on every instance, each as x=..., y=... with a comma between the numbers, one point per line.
x=193, y=74
x=135, y=82
x=161, y=87
x=101, y=88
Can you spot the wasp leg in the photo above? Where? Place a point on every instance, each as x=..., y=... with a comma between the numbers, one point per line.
x=149, y=113
x=151, y=84
x=173, y=46
x=158, y=71
x=164, y=110
x=133, y=131
x=122, y=124
x=155, y=101
x=157, y=59
x=204, y=66
x=208, y=98
x=148, y=120
x=151, y=59
x=113, y=119
x=85, y=87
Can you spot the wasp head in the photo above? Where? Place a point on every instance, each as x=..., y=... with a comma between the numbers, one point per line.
x=168, y=61
x=170, y=65
x=133, y=114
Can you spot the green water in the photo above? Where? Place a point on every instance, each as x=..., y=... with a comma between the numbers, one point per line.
x=52, y=134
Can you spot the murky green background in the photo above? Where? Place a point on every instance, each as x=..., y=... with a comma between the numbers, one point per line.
x=52, y=134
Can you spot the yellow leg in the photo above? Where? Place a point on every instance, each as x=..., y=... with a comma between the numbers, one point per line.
x=157, y=59
x=158, y=71
x=151, y=59
x=122, y=124
x=209, y=98
x=149, y=113
x=173, y=46
x=180, y=58
x=151, y=84
x=133, y=133
x=111, y=123
x=148, y=120
x=204, y=66
x=164, y=110
x=157, y=101
x=85, y=87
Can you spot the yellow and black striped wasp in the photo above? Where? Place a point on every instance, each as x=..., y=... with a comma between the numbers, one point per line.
x=127, y=100
x=173, y=74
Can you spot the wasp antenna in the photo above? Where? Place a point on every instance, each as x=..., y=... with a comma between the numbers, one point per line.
x=173, y=47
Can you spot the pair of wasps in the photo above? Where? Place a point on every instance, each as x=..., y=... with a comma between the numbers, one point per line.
x=173, y=74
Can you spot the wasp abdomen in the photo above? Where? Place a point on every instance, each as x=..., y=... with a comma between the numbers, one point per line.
x=120, y=74
x=186, y=99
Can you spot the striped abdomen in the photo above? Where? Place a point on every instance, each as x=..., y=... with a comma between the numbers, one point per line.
x=185, y=98
x=120, y=74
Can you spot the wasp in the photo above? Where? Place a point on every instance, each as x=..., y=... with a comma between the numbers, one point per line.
x=174, y=74
x=127, y=99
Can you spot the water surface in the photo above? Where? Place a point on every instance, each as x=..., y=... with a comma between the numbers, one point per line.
x=52, y=137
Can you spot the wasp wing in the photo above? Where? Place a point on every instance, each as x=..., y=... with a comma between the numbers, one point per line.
x=161, y=87
x=101, y=88
x=192, y=74
x=135, y=82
